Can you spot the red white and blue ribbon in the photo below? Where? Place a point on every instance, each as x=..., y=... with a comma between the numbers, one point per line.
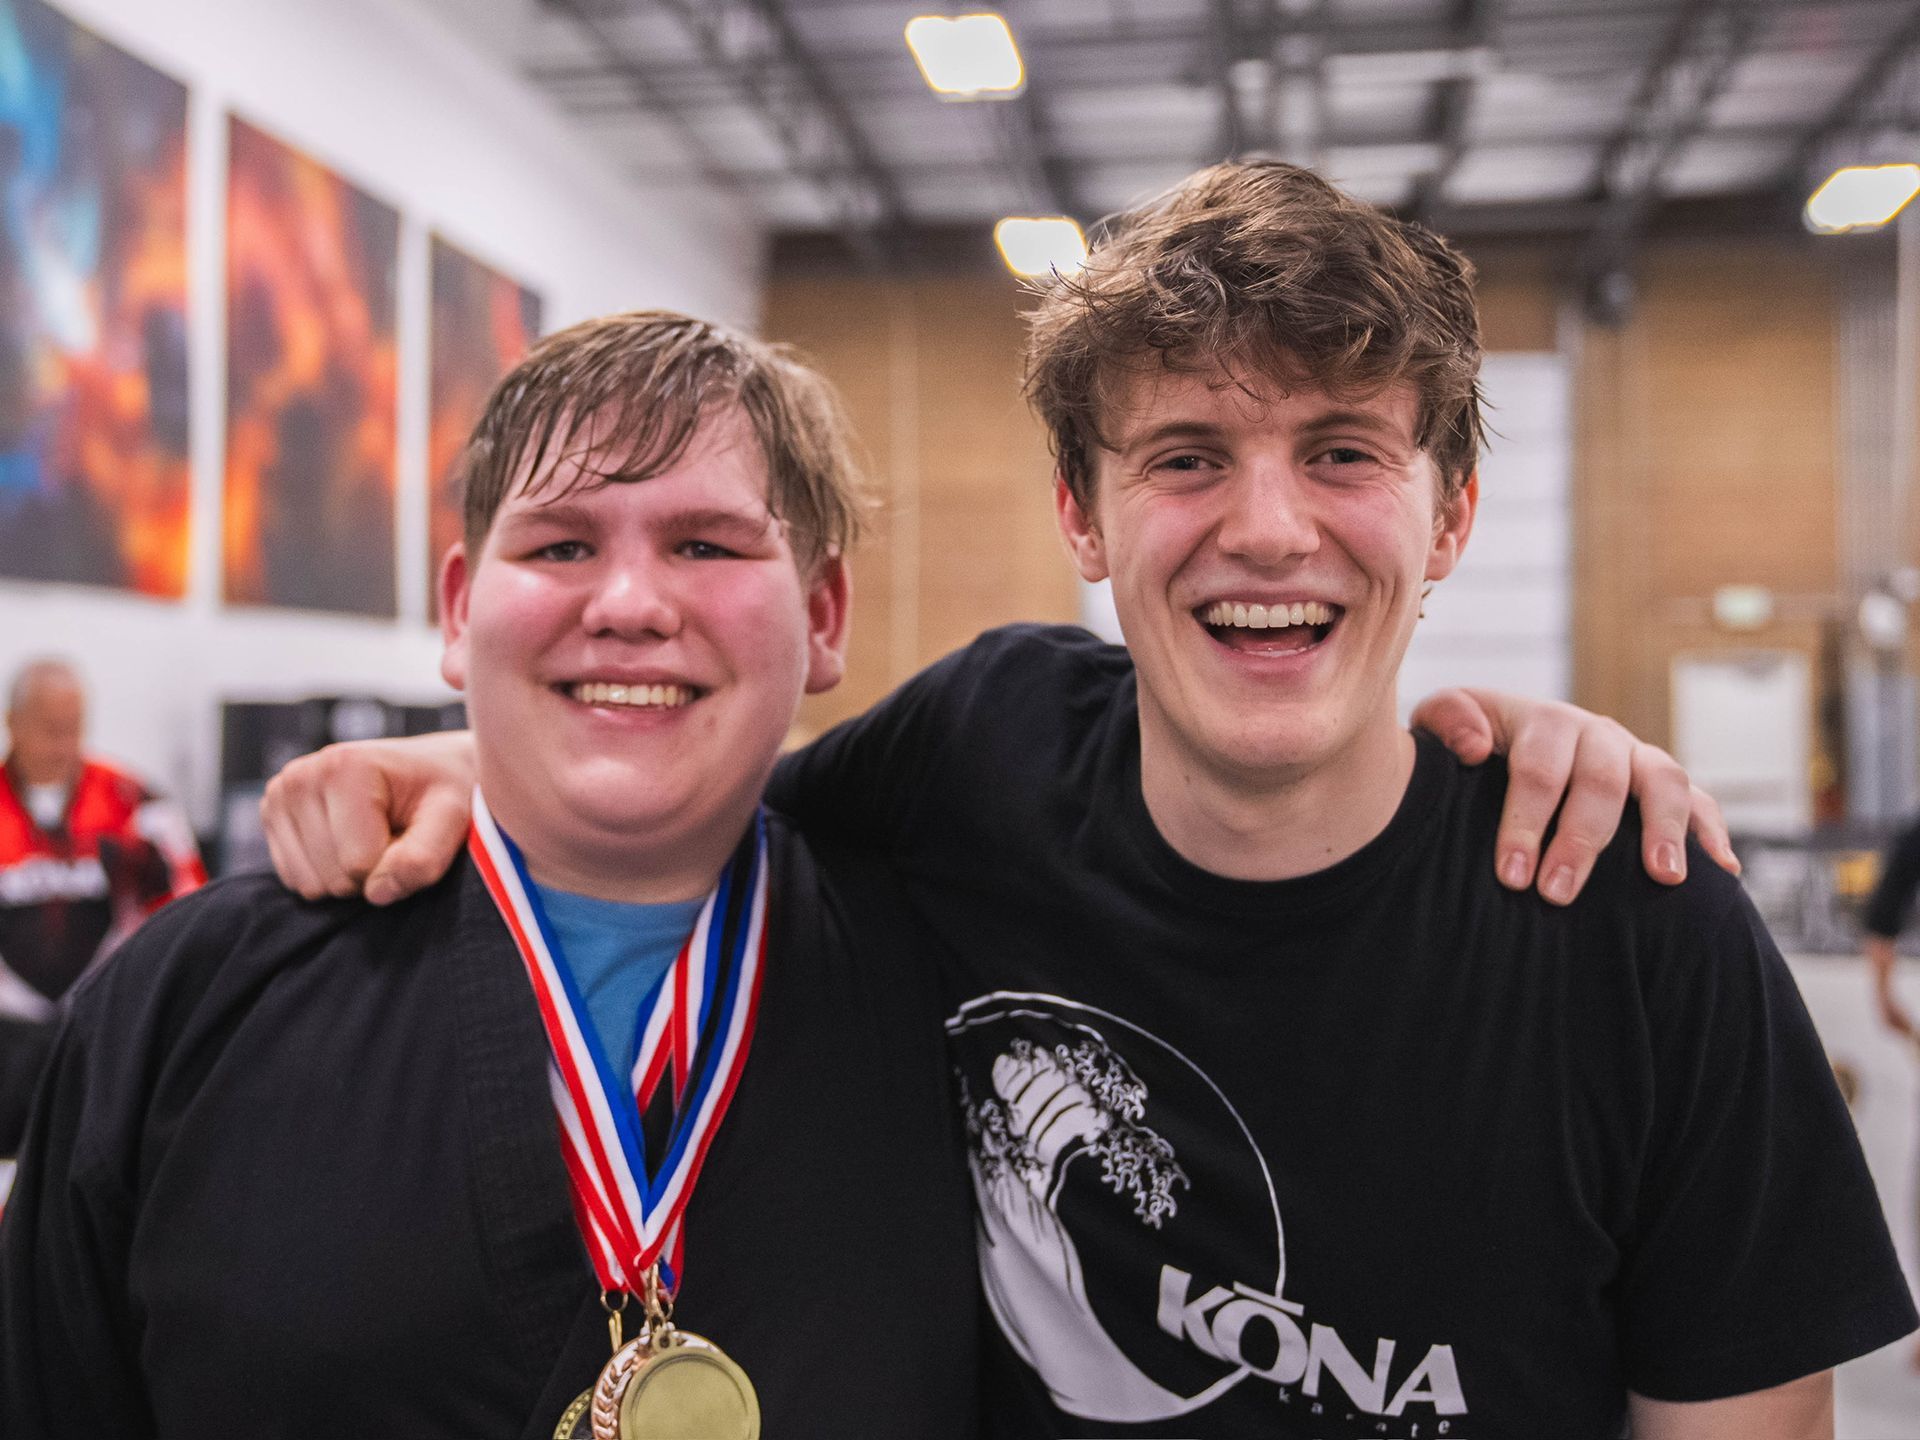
x=698, y=1025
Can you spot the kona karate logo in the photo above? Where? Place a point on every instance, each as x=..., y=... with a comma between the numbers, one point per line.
x=1109, y=1172
x=1271, y=1337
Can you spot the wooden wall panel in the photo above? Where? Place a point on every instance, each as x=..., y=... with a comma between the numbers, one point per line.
x=963, y=534
x=1706, y=457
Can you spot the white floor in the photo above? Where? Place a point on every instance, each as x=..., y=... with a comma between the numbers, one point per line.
x=1879, y=1396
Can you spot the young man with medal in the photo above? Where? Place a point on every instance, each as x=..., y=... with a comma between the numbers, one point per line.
x=632, y=1126
x=1285, y=1115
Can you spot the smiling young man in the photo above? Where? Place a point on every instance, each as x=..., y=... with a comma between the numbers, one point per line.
x=326, y=1170
x=1285, y=1116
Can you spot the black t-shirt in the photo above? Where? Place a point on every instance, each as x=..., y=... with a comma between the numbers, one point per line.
x=1385, y=1150
x=1892, y=899
x=296, y=1174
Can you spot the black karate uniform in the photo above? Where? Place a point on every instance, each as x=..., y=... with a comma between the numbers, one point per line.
x=296, y=1173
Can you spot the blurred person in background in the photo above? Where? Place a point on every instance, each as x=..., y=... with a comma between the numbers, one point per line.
x=1886, y=916
x=86, y=853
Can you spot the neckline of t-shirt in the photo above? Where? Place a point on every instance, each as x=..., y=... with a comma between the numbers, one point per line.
x=1417, y=813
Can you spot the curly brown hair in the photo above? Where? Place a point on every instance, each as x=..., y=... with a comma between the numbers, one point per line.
x=629, y=391
x=1259, y=269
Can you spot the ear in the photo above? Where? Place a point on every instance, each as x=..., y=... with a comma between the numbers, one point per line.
x=454, y=591
x=1085, y=547
x=1452, y=527
x=829, y=602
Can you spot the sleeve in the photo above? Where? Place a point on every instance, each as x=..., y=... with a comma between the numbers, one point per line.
x=865, y=781
x=68, y=1342
x=1759, y=1250
x=1892, y=900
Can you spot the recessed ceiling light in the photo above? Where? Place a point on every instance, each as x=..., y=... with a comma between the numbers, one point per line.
x=1861, y=197
x=1040, y=246
x=966, y=55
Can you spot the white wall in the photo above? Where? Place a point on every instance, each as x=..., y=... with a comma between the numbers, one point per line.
x=1503, y=618
x=404, y=108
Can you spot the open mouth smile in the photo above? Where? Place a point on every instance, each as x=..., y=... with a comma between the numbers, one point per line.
x=630, y=697
x=1261, y=629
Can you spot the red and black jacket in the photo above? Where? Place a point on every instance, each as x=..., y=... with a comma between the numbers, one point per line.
x=117, y=855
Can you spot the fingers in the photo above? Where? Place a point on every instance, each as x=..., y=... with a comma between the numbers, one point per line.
x=289, y=858
x=1459, y=720
x=425, y=850
x=1709, y=827
x=1666, y=799
x=1596, y=799
x=1537, y=773
x=319, y=846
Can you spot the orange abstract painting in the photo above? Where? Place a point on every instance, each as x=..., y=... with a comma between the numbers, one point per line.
x=311, y=384
x=483, y=325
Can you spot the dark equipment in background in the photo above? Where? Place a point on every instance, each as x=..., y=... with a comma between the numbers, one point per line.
x=257, y=738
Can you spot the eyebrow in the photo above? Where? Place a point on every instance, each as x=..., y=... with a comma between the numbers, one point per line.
x=1352, y=420
x=1209, y=430
x=709, y=517
x=560, y=512
x=1172, y=430
x=714, y=518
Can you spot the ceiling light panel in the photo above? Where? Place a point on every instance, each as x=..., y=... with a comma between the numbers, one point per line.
x=1862, y=197
x=1040, y=245
x=966, y=56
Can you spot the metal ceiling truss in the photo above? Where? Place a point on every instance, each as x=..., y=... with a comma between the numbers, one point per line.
x=1268, y=61
x=1696, y=59
x=1855, y=108
x=1477, y=23
x=753, y=45
x=1024, y=142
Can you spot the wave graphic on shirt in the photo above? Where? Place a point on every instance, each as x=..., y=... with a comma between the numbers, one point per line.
x=1057, y=1120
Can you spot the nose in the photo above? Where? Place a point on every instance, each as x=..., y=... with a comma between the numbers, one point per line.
x=632, y=598
x=1269, y=517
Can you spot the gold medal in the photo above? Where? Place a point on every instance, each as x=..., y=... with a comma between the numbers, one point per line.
x=667, y=1384
x=674, y=1386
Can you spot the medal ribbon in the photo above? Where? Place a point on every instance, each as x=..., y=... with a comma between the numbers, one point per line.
x=698, y=1023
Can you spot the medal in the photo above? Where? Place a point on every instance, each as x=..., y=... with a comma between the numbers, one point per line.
x=665, y=1384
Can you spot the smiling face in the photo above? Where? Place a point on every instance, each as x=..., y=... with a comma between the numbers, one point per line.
x=632, y=654
x=1268, y=553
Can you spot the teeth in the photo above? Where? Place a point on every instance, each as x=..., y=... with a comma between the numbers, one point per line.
x=651, y=697
x=1268, y=617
